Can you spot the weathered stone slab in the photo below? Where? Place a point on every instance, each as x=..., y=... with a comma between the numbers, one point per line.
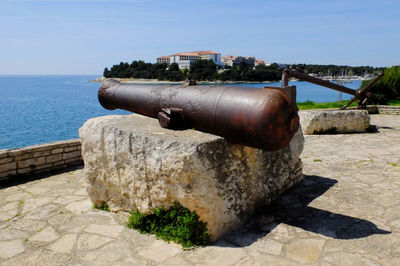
x=334, y=121
x=132, y=163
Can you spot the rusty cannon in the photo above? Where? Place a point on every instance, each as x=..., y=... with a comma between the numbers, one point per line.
x=256, y=117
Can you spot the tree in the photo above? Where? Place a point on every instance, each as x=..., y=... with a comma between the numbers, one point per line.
x=203, y=70
x=173, y=67
x=106, y=73
x=387, y=88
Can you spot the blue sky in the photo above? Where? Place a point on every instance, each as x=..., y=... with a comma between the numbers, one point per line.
x=84, y=36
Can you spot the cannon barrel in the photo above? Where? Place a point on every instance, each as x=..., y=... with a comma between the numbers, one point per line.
x=256, y=117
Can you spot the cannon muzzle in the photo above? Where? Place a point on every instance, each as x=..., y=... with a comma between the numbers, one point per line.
x=256, y=117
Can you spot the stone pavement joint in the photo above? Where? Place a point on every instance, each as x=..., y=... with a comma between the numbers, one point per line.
x=345, y=212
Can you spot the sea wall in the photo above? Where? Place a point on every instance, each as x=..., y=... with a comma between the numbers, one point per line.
x=40, y=159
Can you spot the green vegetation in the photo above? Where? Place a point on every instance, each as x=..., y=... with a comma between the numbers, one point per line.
x=104, y=207
x=312, y=105
x=394, y=102
x=372, y=129
x=203, y=70
x=244, y=72
x=176, y=224
x=199, y=70
x=332, y=130
x=387, y=89
x=207, y=70
x=307, y=105
x=317, y=160
x=141, y=70
x=366, y=161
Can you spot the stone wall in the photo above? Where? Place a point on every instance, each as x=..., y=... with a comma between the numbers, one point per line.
x=381, y=109
x=388, y=110
x=40, y=158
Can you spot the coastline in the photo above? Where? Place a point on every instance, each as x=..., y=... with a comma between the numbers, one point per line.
x=156, y=81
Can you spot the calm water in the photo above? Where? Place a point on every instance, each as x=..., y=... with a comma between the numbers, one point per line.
x=311, y=92
x=40, y=109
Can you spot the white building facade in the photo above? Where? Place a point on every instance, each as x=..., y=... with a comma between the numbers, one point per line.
x=184, y=60
x=211, y=55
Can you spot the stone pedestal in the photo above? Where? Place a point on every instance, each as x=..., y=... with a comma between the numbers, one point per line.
x=132, y=163
x=334, y=121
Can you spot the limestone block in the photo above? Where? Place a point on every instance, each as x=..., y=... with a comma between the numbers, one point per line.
x=132, y=163
x=6, y=160
x=75, y=148
x=33, y=161
x=340, y=121
x=71, y=155
x=54, y=158
x=7, y=167
x=58, y=150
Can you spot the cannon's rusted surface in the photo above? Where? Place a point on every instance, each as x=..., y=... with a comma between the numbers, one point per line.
x=259, y=118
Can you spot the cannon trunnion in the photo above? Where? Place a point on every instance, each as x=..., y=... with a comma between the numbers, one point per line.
x=256, y=117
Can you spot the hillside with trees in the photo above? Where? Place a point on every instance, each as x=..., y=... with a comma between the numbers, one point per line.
x=388, y=88
x=207, y=70
x=204, y=70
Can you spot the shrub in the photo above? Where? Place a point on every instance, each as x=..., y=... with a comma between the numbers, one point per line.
x=387, y=88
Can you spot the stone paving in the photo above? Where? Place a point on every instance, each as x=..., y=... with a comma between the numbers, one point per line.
x=345, y=212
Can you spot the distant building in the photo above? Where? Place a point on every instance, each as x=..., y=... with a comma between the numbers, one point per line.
x=232, y=60
x=164, y=59
x=249, y=60
x=259, y=62
x=184, y=60
x=211, y=55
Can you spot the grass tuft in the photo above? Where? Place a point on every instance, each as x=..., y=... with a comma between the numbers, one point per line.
x=104, y=207
x=332, y=130
x=312, y=105
x=394, y=102
x=176, y=224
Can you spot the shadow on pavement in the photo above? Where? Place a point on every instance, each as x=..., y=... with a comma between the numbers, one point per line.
x=291, y=208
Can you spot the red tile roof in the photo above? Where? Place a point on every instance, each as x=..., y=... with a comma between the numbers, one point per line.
x=206, y=52
x=195, y=54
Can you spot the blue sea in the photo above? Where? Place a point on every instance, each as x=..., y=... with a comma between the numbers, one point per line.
x=40, y=109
